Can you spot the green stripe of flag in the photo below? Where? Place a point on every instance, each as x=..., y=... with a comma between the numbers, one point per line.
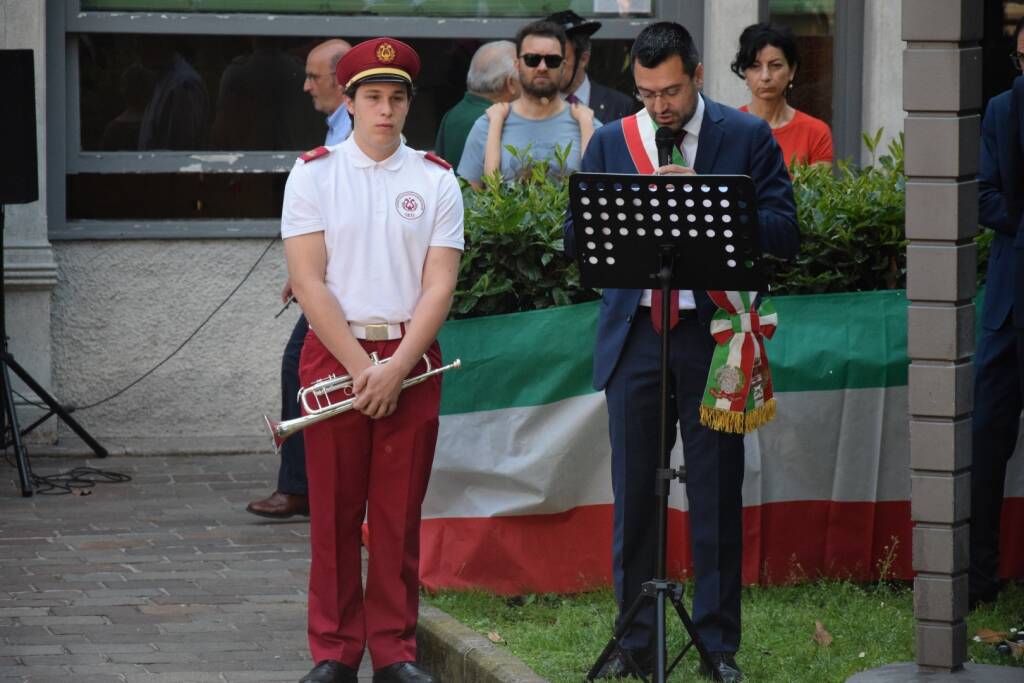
x=824, y=342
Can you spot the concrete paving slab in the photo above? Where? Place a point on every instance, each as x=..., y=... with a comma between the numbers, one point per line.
x=167, y=578
x=910, y=673
x=164, y=578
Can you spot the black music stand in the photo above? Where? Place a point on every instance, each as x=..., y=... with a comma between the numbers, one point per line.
x=665, y=232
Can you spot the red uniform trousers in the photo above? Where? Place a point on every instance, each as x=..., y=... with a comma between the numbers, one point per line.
x=357, y=465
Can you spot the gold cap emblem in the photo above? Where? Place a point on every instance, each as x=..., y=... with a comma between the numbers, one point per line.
x=385, y=53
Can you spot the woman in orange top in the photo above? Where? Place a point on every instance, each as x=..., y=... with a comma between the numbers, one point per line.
x=767, y=60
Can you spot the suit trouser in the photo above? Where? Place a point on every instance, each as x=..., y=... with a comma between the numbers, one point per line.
x=714, y=467
x=381, y=468
x=291, y=475
x=998, y=368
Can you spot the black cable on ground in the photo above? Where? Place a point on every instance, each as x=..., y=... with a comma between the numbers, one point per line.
x=79, y=480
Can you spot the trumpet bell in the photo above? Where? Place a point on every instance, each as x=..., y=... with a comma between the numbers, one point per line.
x=275, y=432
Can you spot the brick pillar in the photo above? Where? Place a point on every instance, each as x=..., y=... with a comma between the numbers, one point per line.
x=942, y=98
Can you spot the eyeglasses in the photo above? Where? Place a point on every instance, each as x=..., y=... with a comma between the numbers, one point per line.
x=647, y=97
x=1018, y=60
x=315, y=77
x=533, y=61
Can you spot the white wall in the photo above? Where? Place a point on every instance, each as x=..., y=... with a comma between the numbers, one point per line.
x=125, y=305
x=724, y=20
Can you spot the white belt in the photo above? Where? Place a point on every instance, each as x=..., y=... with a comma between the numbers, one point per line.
x=377, y=331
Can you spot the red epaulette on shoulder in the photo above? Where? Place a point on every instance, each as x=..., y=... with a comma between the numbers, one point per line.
x=315, y=154
x=430, y=156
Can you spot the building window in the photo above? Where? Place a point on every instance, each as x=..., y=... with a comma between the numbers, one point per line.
x=813, y=25
x=394, y=8
x=185, y=116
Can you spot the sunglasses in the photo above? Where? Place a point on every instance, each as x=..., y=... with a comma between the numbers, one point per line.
x=533, y=61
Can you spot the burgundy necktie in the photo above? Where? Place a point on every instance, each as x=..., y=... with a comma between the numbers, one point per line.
x=673, y=309
x=655, y=295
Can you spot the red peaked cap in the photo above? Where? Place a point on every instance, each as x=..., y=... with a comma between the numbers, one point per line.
x=379, y=59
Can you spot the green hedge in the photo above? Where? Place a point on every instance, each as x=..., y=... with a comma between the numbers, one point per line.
x=851, y=223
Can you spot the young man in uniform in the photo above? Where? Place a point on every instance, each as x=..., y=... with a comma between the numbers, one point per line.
x=373, y=234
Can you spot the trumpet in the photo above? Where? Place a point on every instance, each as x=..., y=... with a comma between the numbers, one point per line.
x=316, y=399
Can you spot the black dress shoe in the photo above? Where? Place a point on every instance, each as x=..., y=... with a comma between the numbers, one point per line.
x=402, y=672
x=723, y=668
x=330, y=671
x=618, y=666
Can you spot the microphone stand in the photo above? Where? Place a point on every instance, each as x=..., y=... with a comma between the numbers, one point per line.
x=659, y=588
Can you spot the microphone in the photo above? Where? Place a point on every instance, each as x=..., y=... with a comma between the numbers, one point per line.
x=664, y=140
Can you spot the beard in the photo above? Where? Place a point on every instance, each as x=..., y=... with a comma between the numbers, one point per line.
x=548, y=88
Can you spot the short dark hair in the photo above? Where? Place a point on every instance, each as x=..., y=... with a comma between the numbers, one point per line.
x=580, y=42
x=350, y=92
x=757, y=37
x=545, y=29
x=1017, y=30
x=659, y=41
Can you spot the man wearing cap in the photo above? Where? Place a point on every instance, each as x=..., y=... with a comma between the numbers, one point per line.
x=373, y=234
x=576, y=86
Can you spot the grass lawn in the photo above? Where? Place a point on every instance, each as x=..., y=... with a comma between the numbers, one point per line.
x=560, y=636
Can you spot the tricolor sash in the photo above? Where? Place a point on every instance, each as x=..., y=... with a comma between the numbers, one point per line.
x=738, y=397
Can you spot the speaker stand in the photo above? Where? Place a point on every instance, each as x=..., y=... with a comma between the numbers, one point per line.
x=7, y=365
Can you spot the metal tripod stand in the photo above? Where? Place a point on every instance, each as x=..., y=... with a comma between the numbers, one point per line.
x=9, y=414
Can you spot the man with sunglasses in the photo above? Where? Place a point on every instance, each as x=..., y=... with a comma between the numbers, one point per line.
x=710, y=138
x=998, y=361
x=535, y=123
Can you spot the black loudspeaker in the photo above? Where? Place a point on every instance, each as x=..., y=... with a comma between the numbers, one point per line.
x=19, y=168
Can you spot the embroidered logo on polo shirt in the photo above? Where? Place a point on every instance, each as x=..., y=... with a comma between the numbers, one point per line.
x=410, y=205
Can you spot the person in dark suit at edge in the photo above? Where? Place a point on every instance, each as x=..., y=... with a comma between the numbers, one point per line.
x=710, y=139
x=576, y=86
x=998, y=361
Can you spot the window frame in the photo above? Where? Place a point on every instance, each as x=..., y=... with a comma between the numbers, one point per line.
x=65, y=21
x=847, y=76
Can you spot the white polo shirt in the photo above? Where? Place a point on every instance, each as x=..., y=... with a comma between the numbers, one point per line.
x=379, y=218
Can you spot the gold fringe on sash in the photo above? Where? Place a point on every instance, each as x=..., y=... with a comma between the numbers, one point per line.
x=737, y=423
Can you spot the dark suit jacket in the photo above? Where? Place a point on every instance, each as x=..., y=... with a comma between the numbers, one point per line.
x=1000, y=202
x=730, y=142
x=610, y=105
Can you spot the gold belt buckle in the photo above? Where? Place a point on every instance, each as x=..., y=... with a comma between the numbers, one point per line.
x=377, y=332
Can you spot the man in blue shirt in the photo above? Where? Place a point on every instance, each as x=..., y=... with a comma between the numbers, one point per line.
x=322, y=86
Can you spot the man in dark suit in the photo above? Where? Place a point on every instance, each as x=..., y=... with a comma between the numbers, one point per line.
x=998, y=362
x=576, y=86
x=710, y=139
